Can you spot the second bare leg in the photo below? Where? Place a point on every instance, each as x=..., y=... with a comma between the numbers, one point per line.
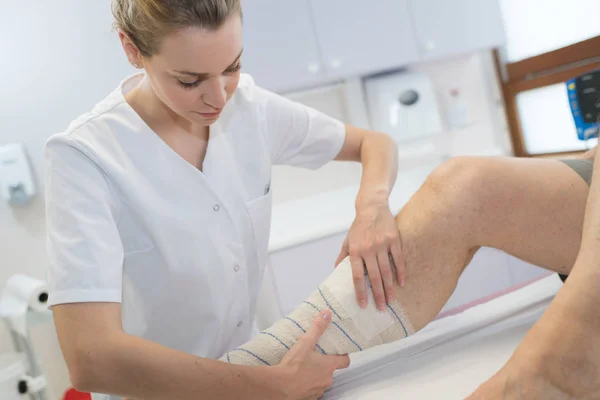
x=532, y=209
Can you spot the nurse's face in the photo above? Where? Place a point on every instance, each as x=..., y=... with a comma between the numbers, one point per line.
x=197, y=71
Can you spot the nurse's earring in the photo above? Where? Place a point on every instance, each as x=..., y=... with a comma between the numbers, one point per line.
x=135, y=64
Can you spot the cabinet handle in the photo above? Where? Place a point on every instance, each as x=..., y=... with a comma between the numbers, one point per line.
x=314, y=67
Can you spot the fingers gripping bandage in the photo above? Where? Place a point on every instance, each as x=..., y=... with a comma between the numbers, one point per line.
x=352, y=329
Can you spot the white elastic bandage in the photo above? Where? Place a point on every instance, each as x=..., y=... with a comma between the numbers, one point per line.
x=352, y=328
x=369, y=322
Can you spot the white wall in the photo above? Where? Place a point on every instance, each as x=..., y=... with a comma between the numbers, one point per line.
x=537, y=26
x=486, y=129
x=485, y=132
x=60, y=58
x=57, y=59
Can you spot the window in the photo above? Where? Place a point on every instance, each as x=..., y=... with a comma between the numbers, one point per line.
x=548, y=43
x=534, y=27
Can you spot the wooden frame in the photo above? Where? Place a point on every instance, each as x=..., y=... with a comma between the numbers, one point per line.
x=536, y=72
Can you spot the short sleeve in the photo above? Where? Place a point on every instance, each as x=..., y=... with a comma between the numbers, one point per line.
x=84, y=246
x=299, y=135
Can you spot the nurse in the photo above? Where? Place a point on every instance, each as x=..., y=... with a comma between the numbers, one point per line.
x=159, y=207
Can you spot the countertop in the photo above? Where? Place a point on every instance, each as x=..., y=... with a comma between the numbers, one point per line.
x=331, y=213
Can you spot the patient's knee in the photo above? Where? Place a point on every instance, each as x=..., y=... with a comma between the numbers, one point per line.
x=457, y=176
x=455, y=191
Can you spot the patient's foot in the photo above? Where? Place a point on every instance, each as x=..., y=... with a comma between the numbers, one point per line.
x=513, y=383
x=559, y=359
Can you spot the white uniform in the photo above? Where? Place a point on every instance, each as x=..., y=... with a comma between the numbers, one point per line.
x=183, y=250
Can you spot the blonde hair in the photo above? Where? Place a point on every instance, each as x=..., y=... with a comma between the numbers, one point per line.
x=147, y=22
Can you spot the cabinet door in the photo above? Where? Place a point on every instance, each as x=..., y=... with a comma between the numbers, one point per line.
x=523, y=272
x=449, y=27
x=280, y=48
x=487, y=274
x=299, y=270
x=358, y=37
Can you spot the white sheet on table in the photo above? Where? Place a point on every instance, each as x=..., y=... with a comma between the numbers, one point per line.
x=451, y=357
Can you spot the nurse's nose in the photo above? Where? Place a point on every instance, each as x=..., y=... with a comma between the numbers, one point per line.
x=215, y=94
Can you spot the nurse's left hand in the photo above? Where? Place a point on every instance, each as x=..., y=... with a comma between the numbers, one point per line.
x=374, y=242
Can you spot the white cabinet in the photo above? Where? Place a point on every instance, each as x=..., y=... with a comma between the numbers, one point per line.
x=488, y=273
x=299, y=270
x=280, y=47
x=523, y=272
x=293, y=44
x=357, y=37
x=449, y=27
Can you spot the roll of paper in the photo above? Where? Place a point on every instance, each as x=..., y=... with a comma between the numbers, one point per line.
x=23, y=293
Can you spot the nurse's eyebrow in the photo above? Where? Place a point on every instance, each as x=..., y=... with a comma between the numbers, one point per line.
x=205, y=75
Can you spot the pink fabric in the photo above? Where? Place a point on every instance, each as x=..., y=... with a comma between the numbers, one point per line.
x=485, y=299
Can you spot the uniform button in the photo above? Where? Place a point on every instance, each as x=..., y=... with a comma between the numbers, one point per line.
x=236, y=268
x=240, y=324
x=216, y=207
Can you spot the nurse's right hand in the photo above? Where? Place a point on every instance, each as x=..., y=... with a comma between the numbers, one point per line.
x=307, y=373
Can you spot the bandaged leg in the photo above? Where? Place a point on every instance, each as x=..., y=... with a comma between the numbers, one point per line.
x=464, y=204
x=352, y=329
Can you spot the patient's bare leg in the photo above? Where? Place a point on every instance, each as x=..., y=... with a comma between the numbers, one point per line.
x=560, y=356
x=532, y=209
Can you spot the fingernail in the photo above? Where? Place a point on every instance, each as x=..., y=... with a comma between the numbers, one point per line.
x=363, y=304
x=381, y=307
x=326, y=316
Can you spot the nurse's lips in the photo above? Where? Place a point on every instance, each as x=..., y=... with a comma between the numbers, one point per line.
x=209, y=115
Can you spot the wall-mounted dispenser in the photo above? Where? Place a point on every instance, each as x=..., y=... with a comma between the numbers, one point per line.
x=403, y=105
x=16, y=180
